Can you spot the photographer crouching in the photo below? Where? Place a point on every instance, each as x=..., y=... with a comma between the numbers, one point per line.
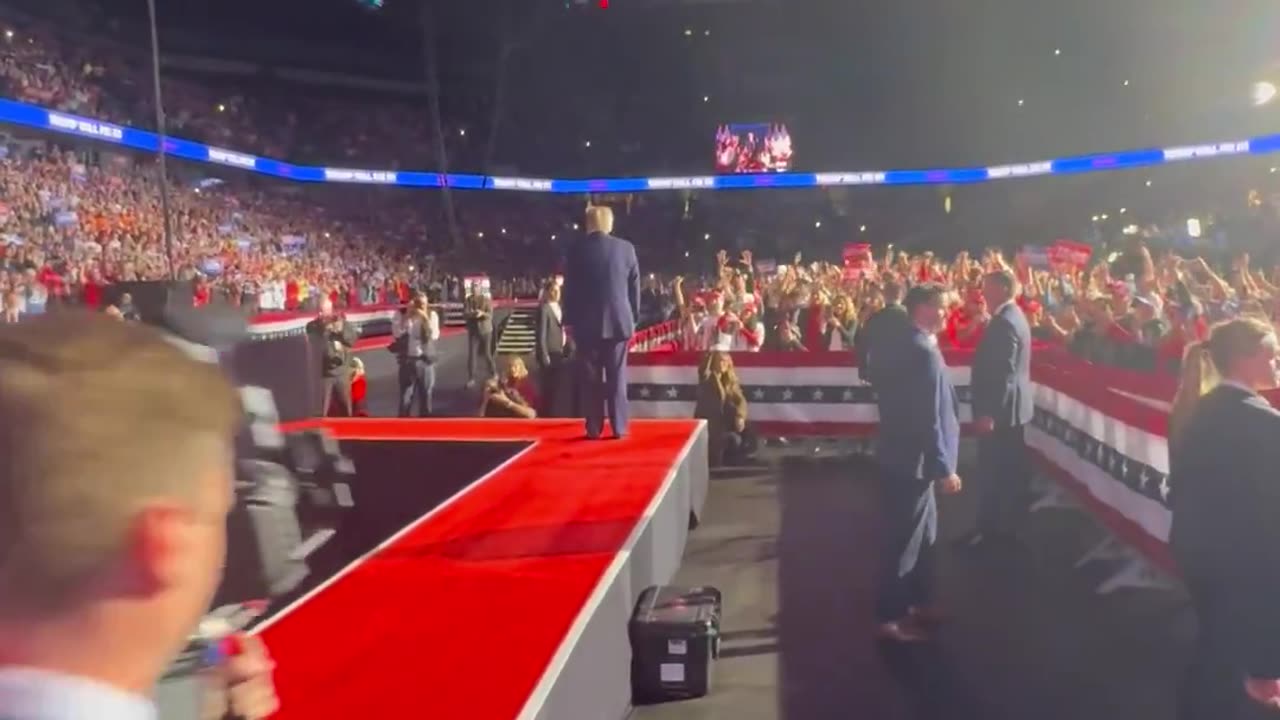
x=336, y=338
x=113, y=521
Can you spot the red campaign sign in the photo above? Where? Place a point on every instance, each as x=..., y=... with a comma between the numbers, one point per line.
x=857, y=260
x=1070, y=253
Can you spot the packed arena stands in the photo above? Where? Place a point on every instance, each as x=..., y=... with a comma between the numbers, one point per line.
x=76, y=218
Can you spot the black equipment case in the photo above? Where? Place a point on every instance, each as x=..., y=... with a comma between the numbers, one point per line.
x=675, y=636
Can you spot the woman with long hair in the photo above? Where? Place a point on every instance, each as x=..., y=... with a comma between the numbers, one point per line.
x=1196, y=378
x=721, y=402
x=842, y=325
x=509, y=394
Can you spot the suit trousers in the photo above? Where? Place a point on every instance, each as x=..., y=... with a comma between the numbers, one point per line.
x=1004, y=480
x=910, y=513
x=552, y=390
x=339, y=382
x=417, y=387
x=602, y=382
x=480, y=347
x=1213, y=687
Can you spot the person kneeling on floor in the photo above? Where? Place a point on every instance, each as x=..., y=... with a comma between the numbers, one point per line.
x=508, y=396
x=359, y=390
x=721, y=402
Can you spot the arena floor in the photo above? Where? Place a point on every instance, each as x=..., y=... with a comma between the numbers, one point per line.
x=792, y=546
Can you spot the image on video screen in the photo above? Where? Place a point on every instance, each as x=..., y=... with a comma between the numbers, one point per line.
x=759, y=148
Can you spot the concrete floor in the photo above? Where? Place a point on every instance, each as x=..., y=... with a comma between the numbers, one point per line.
x=792, y=545
x=793, y=548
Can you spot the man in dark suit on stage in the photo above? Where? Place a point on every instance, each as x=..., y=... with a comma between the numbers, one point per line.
x=1225, y=536
x=917, y=450
x=1003, y=404
x=601, y=303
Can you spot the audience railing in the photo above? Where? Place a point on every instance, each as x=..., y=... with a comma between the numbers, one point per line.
x=1099, y=437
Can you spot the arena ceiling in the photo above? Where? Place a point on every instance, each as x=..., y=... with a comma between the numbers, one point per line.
x=859, y=83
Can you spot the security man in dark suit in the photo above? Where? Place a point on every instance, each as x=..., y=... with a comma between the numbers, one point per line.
x=478, y=311
x=601, y=303
x=881, y=329
x=1003, y=404
x=1225, y=534
x=917, y=450
x=550, y=350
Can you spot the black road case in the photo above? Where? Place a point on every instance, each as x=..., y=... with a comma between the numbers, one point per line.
x=675, y=636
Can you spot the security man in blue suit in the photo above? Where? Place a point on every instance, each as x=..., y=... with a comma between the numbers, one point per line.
x=918, y=447
x=601, y=298
x=1003, y=404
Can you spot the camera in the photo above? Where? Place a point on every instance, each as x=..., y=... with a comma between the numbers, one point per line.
x=291, y=495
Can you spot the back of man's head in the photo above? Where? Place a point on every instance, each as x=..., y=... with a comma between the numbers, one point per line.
x=892, y=291
x=600, y=219
x=924, y=305
x=115, y=480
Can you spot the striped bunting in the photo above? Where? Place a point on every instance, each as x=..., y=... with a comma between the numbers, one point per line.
x=798, y=396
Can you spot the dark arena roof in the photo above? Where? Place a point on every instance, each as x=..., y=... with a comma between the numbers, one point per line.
x=859, y=84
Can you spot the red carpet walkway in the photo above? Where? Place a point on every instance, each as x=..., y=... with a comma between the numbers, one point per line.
x=461, y=614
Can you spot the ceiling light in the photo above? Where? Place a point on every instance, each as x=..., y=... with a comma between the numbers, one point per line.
x=1263, y=93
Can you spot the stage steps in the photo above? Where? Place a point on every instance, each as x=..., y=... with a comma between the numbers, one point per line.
x=518, y=332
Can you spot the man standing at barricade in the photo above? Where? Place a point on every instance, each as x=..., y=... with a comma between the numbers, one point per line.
x=1003, y=404
x=879, y=330
x=917, y=450
x=601, y=298
x=478, y=310
x=336, y=338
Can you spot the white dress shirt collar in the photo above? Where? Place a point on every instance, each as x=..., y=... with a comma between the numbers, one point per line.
x=1239, y=386
x=31, y=694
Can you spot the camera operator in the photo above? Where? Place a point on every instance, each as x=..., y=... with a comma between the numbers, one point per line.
x=336, y=338
x=416, y=331
x=113, y=520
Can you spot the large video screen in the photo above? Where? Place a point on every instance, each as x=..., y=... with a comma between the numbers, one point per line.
x=755, y=148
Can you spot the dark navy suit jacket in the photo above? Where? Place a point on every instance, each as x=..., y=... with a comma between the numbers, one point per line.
x=1225, y=501
x=919, y=420
x=1001, y=379
x=601, y=295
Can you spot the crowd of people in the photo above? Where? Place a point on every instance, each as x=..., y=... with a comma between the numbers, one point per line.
x=1140, y=310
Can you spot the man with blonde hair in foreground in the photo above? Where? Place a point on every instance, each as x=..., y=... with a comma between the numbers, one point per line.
x=116, y=477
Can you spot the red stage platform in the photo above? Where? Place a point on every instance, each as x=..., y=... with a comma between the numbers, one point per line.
x=509, y=599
